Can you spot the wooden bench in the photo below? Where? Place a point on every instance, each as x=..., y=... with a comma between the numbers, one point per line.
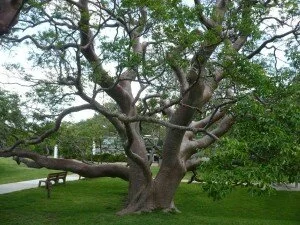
x=55, y=177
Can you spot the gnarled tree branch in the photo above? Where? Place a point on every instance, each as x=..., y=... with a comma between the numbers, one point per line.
x=103, y=170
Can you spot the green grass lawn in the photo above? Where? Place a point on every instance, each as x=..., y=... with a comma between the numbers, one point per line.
x=10, y=172
x=95, y=201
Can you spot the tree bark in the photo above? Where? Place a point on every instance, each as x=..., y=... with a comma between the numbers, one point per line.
x=156, y=195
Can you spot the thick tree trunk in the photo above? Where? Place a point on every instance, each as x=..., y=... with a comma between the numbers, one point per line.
x=157, y=195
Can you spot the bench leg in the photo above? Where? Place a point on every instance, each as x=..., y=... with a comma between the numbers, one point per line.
x=48, y=187
x=42, y=181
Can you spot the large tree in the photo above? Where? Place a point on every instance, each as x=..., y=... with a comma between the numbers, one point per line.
x=191, y=64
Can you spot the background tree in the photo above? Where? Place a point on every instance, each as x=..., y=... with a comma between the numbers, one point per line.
x=12, y=122
x=195, y=63
x=75, y=140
